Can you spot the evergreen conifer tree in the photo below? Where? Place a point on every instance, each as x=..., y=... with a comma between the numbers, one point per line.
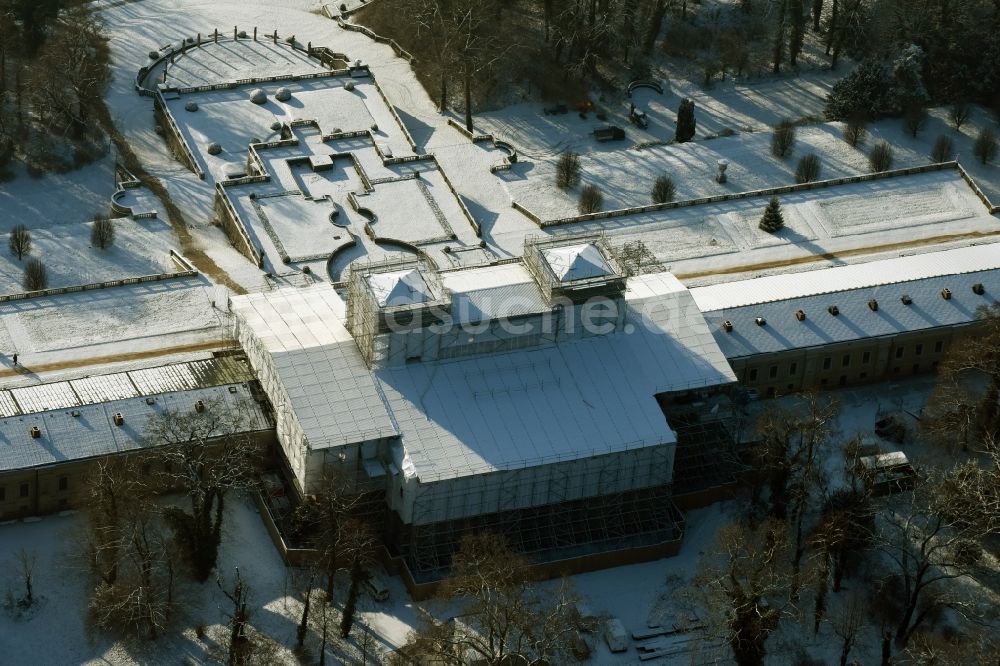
x=772, y=221
x=685, y=121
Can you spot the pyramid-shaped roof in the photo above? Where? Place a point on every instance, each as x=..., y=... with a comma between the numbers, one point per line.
x=577, y=262
x=406, y=287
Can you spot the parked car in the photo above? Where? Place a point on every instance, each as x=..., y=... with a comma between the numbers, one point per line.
x=609, y=133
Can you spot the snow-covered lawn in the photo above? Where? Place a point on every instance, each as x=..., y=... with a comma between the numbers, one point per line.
x=104, y=323
x=140, y=248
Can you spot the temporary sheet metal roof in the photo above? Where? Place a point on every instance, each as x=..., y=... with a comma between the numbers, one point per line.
x=492, y=292
x=399, y=288
x=476, y=414
x=579, y=398
x=330, y=388
x=855, y=276
x=576, y=262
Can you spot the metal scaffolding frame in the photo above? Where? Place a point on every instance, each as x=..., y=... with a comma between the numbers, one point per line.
x=618, y=516
x=367, y=320
x=577, y=291
x=552, y=532
x=706, y=455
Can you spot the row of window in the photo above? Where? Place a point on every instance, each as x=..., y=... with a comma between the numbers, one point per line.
x=24, y=489
x=846, y=360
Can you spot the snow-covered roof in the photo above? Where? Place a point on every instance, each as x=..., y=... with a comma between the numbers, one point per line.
x=491, y=292
x=576, y=262
x=581, y=397
x=123, y=385
x=842, y=278
x=885, y=308
x=578, y=398
x=406, y=287
x=328, y=384
x=88, y=430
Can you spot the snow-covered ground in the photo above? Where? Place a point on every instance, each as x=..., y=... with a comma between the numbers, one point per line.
x=61, y=584
x=141, y=247
x=176, y=319
x=106, y=326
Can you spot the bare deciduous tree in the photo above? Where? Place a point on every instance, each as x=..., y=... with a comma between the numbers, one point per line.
x=847, y=621
x=361, y=551
x=591, y=200
x=959, y=113
x=663, y=189
x=568, y=170
x=503, y=618
x=745, y=587
x=783, y=138
x=19, y=241
x=25, y=562
x=206, y=453
x=35, y=275
x=102, y=233
x=69, y=75
x=327, y=521
x=127, y=551
x=929, y=548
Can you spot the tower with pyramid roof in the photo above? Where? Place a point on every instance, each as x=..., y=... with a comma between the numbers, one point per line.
x=391, y=307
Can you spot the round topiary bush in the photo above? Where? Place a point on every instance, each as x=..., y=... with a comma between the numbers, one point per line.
x=275, y=126
x=243, y=34
x=374, y=127
x=191, y=106
x=283, y=94
x=214, y=149
x=349, y=86
x=153, y=55
x=258, y=96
